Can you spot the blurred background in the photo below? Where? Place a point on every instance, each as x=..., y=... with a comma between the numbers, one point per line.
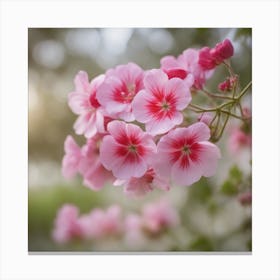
x=213, y=217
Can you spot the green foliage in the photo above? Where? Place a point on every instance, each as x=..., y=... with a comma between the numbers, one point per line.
x=229, y=188
x=42, y=208
x=201, y=191
x=231, y=185
x=243, y=32
x=201, y=244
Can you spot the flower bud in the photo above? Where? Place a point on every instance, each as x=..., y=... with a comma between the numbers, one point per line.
x=206, y=60
x=222, y=51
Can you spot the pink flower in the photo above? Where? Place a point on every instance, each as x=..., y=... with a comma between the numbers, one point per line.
x=238, y=139
x=66, y=224
x=172, y=67
x=206, y=59
x=127, y=151
x=86, y=162
x=159, y=216
x=71, y=159
x=90, y=167
x=83, y=102
x=228, y=84
x=222, y=51
x=184, y=65
x=210, y=58
x=245, y=198
x=141, y=186
x=100, y=223
x=186, y=155
x=133, y=229
x=118, y=90
x=159, y=105
x=190, y=58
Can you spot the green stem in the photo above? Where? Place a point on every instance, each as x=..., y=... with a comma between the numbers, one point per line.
x=216, y=95
x=201, y=110
x=223, y=128
x=244, y=91
x=233, y=115
x=229, y=68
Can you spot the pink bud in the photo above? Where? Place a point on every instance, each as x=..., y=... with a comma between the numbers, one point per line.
x=206, y=60
x=222, y=51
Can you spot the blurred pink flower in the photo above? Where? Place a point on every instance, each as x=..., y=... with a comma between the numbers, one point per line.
x=238, y=139
x=118, y=90
x=71, y=159
x=186, y=155
x=101, y=223
x=245, y=198
x=159, y=105
x=66, y=225
x=94, y=174
x=86, y=162
x=159, y=216
x=83, y=102
x=133, y=229
x=127, y=151
x=143, y=185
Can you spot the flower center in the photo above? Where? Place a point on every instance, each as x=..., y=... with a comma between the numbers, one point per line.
x=186, y=150
x=132, y=148
x=93, y=101
x=165, y=106
x=126, y=93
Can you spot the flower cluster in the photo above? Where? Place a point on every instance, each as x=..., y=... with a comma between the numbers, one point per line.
x=134, y=122
x=154, y=219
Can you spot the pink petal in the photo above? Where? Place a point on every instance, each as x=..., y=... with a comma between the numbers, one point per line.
x=197, y=132
x=78, y=102
x=81, y=82
x=70, y=146
x=116, y=128
x=126, y=170
x=97, y=178
x=169, y=62
x=209, y=158
x=180, y=90
x=108, y=153
x=96, y=82
x=186, y=176
x=99, y=121
x=139, y=106
x=91, y=128
x=137, y=187
x=155, y=80
x=155, y=127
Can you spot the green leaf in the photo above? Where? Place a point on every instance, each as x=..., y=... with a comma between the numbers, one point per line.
x=229, y=188
x=235, y=175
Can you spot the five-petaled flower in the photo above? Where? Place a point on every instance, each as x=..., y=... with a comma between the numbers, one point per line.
x=159, y=105
x=186, y=155
x=127, y=151
x=83, y=102
x=118, y=90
